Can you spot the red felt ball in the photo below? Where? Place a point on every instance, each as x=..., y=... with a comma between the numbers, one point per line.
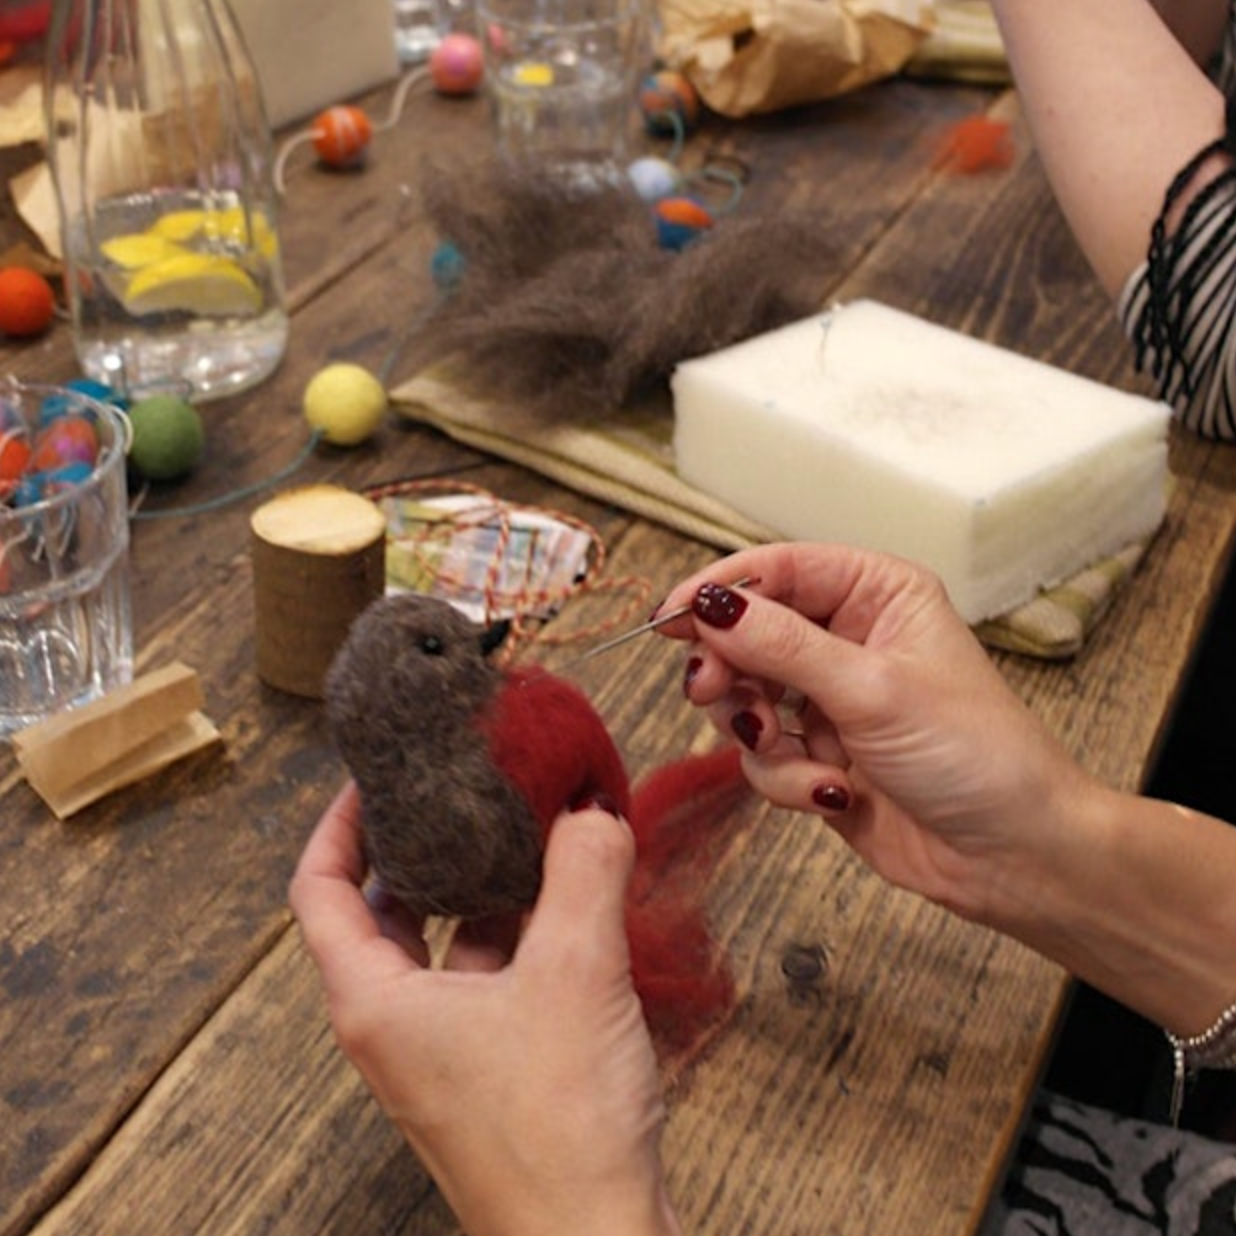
x=456, y=65
x=27, y=302
x=14, y=454
x=341, y=135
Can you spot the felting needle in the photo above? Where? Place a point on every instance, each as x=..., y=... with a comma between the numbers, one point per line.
x=651, y=625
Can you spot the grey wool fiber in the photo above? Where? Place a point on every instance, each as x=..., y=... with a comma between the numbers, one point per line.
x=569, y=307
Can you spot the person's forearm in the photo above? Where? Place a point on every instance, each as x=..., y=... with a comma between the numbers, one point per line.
x=1117, y=107
x=1138, y=898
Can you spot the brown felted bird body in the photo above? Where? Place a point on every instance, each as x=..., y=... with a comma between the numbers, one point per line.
x=463, y=767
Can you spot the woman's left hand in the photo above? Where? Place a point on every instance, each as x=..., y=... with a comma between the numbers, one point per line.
x=528, y=1087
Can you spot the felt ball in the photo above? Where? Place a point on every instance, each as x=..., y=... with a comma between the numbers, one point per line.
x=346, y=402
x=679, y=221
x=28, y=490
x=98, y=391
x=14, y=454
x=664, y=96
x=65, y=404
x=65, y=440
x=341, y=135
x=446, y=266
x=654, y=178
x=456, y=65
x=167, y=437
x=27, y=302
x=66, y=476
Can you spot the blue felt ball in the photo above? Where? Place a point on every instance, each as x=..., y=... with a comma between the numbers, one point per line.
x=447, y=266
x=28, y=490
x=680, y=220
x=66, y=476
x=654, y=178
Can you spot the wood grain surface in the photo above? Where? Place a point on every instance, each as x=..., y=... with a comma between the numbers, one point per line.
x=165, y=1061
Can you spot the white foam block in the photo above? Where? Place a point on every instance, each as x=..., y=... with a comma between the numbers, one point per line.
x=872, y=427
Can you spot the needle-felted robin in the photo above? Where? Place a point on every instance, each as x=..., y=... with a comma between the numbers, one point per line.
x=463, y=767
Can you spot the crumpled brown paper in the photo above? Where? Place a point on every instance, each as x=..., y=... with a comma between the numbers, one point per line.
x=751, y=56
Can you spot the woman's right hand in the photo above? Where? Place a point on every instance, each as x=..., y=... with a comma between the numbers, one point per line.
x=907, y=739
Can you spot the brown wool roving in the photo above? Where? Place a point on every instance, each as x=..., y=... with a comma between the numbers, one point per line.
x=569, y=307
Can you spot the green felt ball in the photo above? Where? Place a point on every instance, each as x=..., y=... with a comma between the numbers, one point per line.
x=168, y=438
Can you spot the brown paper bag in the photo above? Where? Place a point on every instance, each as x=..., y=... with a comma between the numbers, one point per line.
x=751, y=56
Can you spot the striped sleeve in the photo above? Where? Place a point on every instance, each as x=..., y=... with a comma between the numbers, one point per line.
x=1179, y=306
x=1179, y=309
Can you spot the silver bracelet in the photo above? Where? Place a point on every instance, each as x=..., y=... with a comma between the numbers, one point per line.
x=1212, y=1049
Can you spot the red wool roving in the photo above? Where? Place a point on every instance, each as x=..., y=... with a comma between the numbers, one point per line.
x=975, y=144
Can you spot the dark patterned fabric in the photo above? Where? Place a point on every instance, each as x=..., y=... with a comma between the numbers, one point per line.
x=1081, y=1171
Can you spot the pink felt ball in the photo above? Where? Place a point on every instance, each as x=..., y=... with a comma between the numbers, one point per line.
x=456, y=64
x=66, y=440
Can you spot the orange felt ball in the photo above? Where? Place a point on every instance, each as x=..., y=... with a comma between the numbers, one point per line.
x=27, y=302
x=341, y=135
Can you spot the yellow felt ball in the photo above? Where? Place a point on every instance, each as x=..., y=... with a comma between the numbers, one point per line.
x=346, y=402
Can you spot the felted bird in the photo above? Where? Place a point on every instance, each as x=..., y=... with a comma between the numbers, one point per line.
x=463, y=767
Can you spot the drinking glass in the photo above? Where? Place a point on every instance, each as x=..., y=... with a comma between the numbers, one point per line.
x=562, y=77
x=66, y=632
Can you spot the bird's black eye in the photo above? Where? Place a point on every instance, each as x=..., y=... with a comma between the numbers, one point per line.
x=431, y=645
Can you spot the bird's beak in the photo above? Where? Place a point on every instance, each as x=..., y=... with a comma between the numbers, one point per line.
x=492, y=636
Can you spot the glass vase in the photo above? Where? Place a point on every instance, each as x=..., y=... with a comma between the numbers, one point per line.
x=162, y=160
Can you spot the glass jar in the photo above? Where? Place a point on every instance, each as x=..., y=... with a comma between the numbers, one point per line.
x=162, y=160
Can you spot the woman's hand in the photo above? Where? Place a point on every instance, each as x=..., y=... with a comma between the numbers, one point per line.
x=860, y=694
x=528, y=1085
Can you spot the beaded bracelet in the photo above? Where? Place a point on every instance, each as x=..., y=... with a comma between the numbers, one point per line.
x=1212, y=1049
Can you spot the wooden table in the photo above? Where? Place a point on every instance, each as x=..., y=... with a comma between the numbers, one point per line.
x=165, y=1060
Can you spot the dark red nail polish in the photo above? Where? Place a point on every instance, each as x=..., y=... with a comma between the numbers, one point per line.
x=748, y=728
x=831, y=797
x=660, y=605
x=718, y=605
x=694, y=665
x=597, y=800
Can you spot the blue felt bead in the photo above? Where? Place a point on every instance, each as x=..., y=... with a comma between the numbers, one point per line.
x=28, y=490
x=447, y=266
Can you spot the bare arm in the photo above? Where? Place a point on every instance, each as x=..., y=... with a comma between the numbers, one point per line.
x=1117, y=106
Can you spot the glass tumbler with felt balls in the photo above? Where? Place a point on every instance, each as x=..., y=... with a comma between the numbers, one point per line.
x=162, y=160
x=65, y=623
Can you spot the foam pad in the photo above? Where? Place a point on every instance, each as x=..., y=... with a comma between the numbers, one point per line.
x=872, y=427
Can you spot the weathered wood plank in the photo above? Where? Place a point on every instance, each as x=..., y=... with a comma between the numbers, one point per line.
x=160, y=1021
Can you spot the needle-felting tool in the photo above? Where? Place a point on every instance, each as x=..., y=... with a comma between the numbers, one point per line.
x=651, y=625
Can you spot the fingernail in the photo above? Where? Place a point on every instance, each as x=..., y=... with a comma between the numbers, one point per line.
x=597, y=800
x=694, y=665
x=748, y=728
x=831, y=797
x=718, y=605
x=660, y=605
